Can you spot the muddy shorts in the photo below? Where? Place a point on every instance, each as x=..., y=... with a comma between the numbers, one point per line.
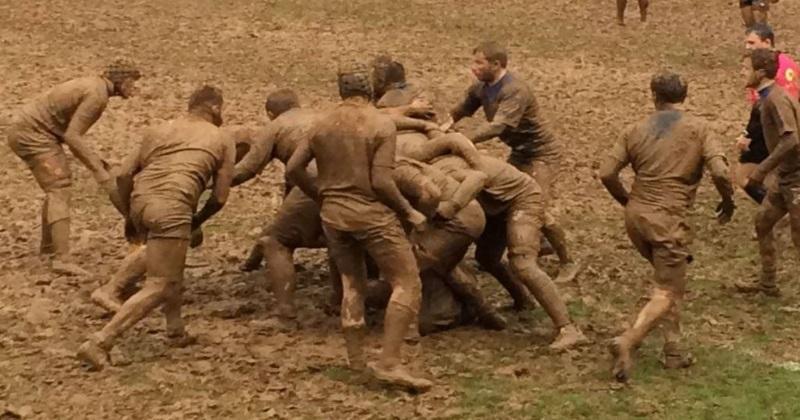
x=764, y=4
x=785, y=197
x=47, y=160
x=662, y=239
x=389, y=247
x=545, y=172
x=297, y=223
x=159, y=218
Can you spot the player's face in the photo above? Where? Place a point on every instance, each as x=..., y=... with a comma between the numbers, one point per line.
x=752, y=42
x=482, y=68
x=752, y=77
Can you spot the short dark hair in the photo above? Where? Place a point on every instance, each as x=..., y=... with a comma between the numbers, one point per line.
x=763, y=31
x=669, y=87
x=205, y=96
x=493, y=51
x=395, y=73
x=766, y=60
x=281, y=100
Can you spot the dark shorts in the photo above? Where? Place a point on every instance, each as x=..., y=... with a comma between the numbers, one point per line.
x=663, y=240
x=297, y=223
x=47, y=161
x=751, y=3
x=157, y=218
x=784, y=197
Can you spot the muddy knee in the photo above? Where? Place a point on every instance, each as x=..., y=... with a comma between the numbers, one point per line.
x=407, y=292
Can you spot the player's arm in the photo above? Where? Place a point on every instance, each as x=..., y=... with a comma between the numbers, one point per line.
x=485, y=131
x=468, y=106
x=471, y=183
x=222, y=186
x=717, y=165
x=85, y=115
x=453, y=143
x=130, y=166
x=297, y=172
x=401, y=122
x=786, y=146
x=510, y=110
x=259, y=155
x=610, y=169
x=414, y=185
x=787, y=143
x=383, y=183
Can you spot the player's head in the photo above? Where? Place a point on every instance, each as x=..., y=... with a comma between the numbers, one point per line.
x=280, y=101
x=668, y=88
x=123, y=74
x=354, y=81
x=207, y=101
x=386, y=73
x=760, y=35
x=764, y=63
x=488, y=61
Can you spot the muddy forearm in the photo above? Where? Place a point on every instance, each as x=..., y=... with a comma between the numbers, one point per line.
x=609, y=175
x=384, y=186
x=485, y=132
x=469, y=188
x=786, y=145
x=86, y=155
x=720, y=176
x=454, y=143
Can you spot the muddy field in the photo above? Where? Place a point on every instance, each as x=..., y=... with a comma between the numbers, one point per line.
x=591, y=79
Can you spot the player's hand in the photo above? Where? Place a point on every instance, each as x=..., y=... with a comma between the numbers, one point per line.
x=725, y=211
x=196, y=238
x=743, y=143
x=447, y=125
x=755, y=187
x=432, y=130
x=446, y=210
x=420, y=106
x=130, y=231
x=417, y=220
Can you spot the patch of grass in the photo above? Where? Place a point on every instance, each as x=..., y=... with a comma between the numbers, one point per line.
x=484, y=396
x=339, y=374
x=724, y=384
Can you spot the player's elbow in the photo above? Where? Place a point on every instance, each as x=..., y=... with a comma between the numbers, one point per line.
x=383, y=186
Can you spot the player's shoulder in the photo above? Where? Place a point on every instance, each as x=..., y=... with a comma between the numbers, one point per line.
x=514, y=83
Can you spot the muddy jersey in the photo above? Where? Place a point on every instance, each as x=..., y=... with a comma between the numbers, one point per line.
x=284, y=133
x=468, y=221
x=344, y=143
x=78, y=102
x=505, y=184
x=511, y=102
x=780, y=114
x=667, y=151
x=177, y=159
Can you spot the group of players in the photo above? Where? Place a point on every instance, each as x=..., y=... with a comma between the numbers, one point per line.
x=393, y=191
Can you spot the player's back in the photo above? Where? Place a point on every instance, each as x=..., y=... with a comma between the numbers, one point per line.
x=344, y=142
x=667, y=151
x=291, y=128
x=178, y=159
x=53, y=110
